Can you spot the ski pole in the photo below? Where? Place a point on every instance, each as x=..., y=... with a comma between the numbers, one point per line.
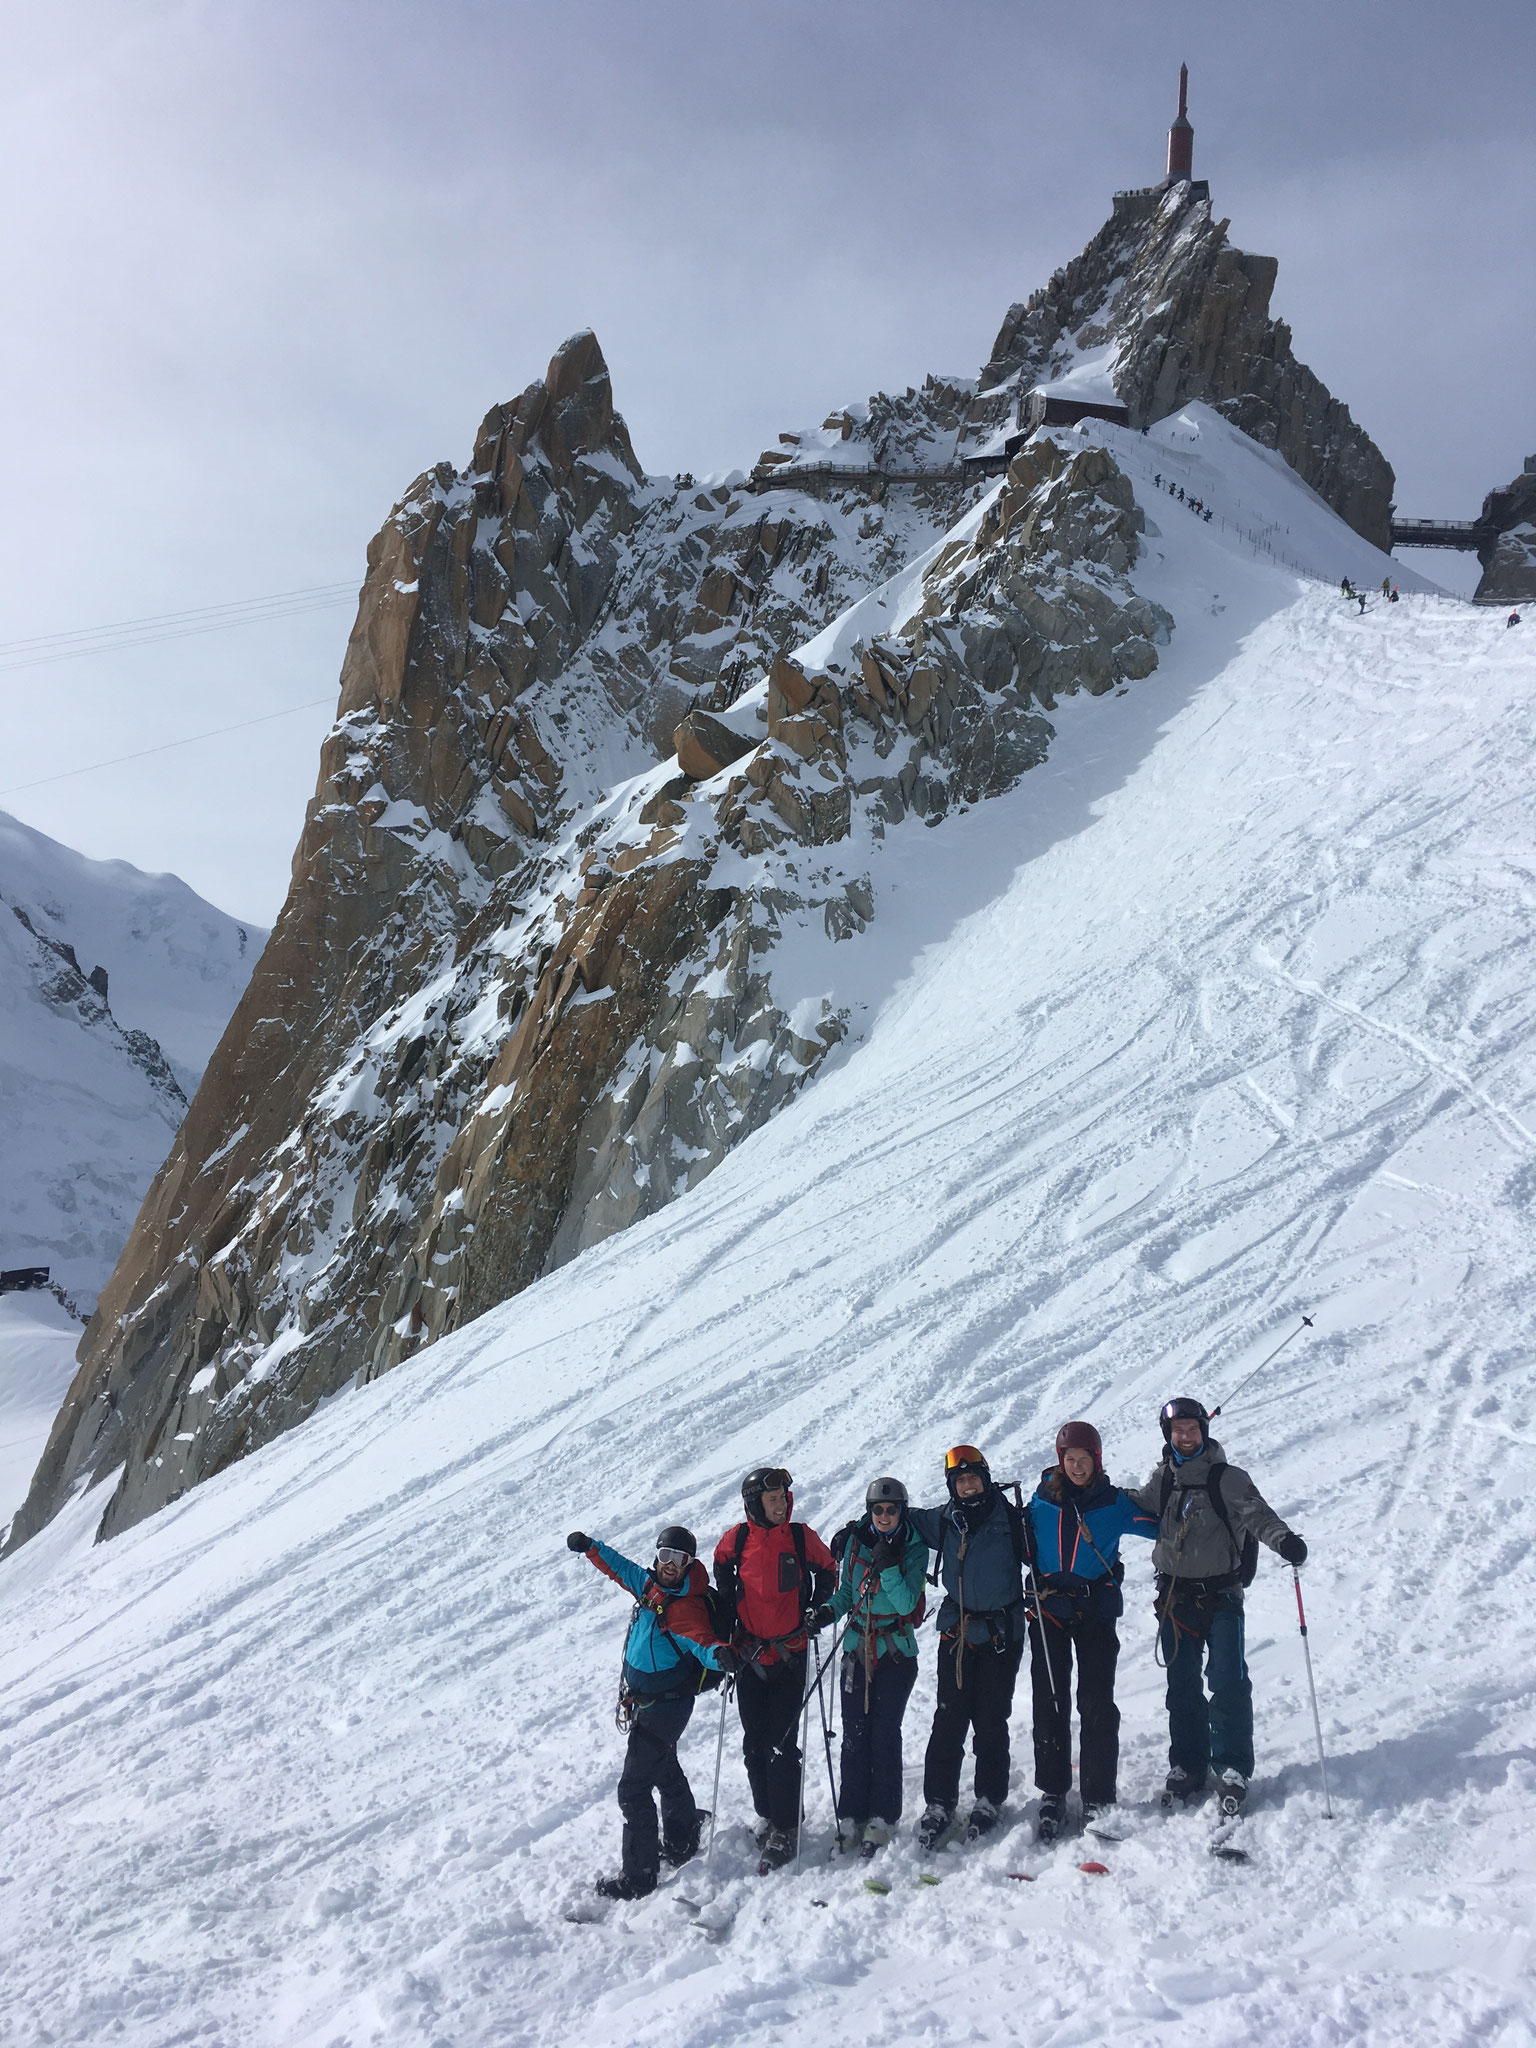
x=1034, y=1594
x=1304, y=1324
x=826, y=1737
x=1322, y=1757
x=714, y=1803
x=805, y=1722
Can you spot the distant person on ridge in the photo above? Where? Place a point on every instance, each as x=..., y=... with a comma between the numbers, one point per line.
x=1361, y=595
x=1386, y=586
x=1211, y=1519
x=1347, y=588
x=979, y=1536
x=1512, y=620
x=670, y=1644
x=880, y=1591
x=773, y=1569
x=1076, y=1520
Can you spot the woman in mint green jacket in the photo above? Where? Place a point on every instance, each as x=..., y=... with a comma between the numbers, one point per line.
x=880, y=1594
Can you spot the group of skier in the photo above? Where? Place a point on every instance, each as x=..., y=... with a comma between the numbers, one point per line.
x=1196, y=505
x=1045, y=1571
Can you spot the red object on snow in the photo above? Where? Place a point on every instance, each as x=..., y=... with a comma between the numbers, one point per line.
x=1021, y=1876
x=1095, y=1869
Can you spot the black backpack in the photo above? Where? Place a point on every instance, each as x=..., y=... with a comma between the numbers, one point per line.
x=1246, y=1545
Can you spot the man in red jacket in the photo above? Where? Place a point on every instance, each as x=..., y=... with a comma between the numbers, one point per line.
x=774, y=1569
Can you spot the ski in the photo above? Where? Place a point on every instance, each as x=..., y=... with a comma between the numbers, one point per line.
x=1223, y=1843
x=882, y=1890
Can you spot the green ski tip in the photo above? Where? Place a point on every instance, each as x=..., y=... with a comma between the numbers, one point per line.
x=873, y=1884
x=927, y=1877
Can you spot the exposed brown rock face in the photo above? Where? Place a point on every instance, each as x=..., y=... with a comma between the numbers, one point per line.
x=1190, y=315
x=528, y=984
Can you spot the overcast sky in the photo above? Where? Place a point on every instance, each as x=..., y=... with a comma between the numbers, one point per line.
x=264, y=263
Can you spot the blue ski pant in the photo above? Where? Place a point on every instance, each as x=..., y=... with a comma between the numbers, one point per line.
x=651, y=1767
x=869, y=1775
x=1203, y=1645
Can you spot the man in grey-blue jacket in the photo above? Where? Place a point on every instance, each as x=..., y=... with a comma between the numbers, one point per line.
x=980, y=1542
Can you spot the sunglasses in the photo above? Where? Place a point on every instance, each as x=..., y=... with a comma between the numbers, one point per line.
x=885, y=1507
x=677, y=1557
x=961, y=1456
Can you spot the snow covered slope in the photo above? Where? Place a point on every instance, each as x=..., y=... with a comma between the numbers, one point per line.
x=37, y=1363
x=1225, y=1012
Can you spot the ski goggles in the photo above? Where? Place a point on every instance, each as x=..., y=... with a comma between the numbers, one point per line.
x=680, y=1558
x=1183, y=1410
x=775, y=1481
x=962, y=1456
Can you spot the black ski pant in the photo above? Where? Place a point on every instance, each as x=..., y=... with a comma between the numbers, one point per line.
x=1097, y=1647
x=651, y=1766
x=976, y=1701
x=869, y=1775
x=770, y=1697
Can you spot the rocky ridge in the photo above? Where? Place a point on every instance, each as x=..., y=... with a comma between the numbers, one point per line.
x=1508, y=556
x=1180, y=315
x=528, y=985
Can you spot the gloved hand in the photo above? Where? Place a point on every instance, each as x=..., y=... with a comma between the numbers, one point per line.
x=886, y=1553
x=726, y=1659
x=815, y=1619
x=1291, y=1548
x=842, y=1539
x=576, y=1541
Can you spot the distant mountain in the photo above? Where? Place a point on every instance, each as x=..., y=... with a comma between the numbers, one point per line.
x=176, y=967
x=114, y=989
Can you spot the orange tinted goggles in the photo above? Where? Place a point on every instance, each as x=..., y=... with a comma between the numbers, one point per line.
x=961, y=1456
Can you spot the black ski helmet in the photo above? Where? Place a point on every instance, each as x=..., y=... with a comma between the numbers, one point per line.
x=760, y=1480
x=881, y=1491
x=676, y=1537
x=1184, y=1409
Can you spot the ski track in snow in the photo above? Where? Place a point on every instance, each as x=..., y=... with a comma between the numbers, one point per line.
x=1226, y=1018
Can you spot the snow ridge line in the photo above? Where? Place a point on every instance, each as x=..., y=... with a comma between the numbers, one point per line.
x=1504, y=1121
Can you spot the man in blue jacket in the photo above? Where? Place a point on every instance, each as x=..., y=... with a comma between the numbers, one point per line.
x=671, y=1641
x=1076, y=1520
x=980, y=1540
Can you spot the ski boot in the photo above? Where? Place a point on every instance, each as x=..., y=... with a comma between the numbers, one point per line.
x=1231, y=1791
x=850, y=1833
x=778, y=1849
x=1182, y=1787
x=984, y=1818
x=625, y=1887
x=934, y=1825
x=877, y=1833
x=685, y=1847
x=1051, y=1821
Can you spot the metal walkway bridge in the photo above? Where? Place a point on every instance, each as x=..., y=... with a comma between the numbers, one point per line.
x=1440, y=533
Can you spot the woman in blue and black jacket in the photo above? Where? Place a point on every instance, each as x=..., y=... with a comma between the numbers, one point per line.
x=1075, y=1522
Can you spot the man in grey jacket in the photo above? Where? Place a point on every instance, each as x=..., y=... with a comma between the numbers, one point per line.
x=1211, y=1517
